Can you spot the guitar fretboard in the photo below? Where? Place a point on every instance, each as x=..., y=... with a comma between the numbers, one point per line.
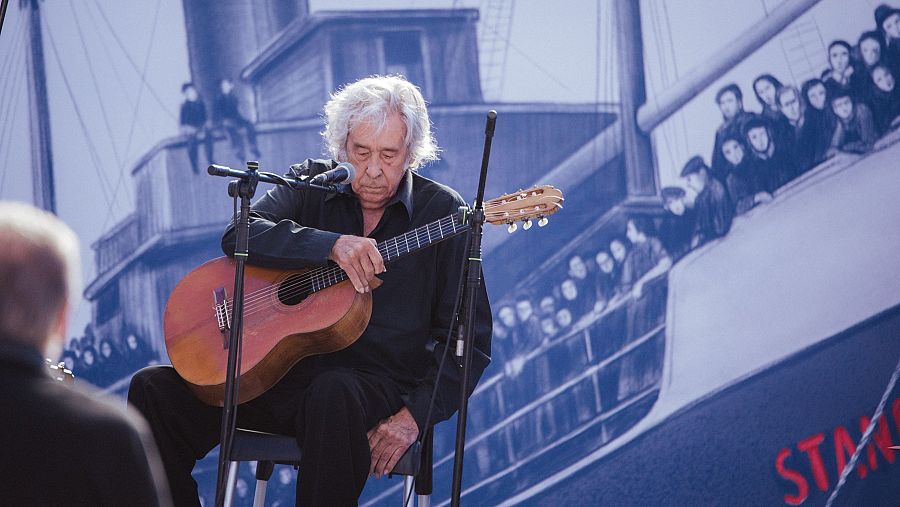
x=393, y=248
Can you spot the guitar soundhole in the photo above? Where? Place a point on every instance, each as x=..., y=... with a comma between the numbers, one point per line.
x=293, y=290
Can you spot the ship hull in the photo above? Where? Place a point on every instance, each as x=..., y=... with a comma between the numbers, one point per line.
x=725, y=449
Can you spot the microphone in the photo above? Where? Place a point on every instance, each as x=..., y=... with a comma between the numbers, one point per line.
x=342, y=174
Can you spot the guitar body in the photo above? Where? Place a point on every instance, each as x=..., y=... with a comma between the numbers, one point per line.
x=282, y=325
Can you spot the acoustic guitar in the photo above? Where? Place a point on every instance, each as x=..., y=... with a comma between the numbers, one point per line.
x=289, y=315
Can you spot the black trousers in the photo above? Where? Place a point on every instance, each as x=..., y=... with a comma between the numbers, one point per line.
x=329, y=410
x=201, y=134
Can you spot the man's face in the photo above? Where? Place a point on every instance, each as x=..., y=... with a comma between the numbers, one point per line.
x=729, y=105
x=380, y=160
x=577, y=268
x=758, y=138
x=523, y=310
x=226, y=86
x=569, y=290
x=790, y=104
x=190, y=93
x=839, y=58
x=733, y=151
x=548, y=326
x=766, y=91
x=507, y=316
x=605, y=262
x=676, y=206
x=617, y=249
x=131, y=341
x=547, y=305
x=241, y=487
x=891, y=26
x=284, y=475
x=564, y=317
x=697, y=181
x=870, y=50
x=883, y=79
x=632, y=233
x=816, y=95
x=843, y=107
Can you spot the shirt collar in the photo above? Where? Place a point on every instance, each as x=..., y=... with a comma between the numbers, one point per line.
x=404, y=193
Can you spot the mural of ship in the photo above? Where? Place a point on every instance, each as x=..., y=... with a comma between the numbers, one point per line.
x=756, y=359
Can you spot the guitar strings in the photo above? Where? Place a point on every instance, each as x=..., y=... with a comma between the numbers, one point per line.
x=330, y=275
x=324, y=276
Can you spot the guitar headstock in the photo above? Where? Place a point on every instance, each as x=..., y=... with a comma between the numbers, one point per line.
x=536, y=202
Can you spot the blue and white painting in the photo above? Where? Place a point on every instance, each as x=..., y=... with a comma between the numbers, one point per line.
x=711, y=319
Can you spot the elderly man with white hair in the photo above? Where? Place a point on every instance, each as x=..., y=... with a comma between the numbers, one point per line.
x=59, y=444
x=356, y=411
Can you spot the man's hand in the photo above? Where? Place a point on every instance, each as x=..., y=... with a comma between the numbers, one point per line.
x=359, y=258
x=389, y=439
x=637, y=290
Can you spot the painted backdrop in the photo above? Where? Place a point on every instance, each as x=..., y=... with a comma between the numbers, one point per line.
x=711, y=319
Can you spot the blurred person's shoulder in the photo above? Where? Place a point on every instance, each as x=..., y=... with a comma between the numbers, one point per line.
x=78, y=441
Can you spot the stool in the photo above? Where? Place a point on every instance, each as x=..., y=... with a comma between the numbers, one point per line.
x=267, y=449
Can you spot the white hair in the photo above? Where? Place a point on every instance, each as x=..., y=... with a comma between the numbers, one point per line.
x=39, y=266
x=372, y=100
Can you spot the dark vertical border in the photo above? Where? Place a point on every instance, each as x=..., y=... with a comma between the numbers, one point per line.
x=3, y=5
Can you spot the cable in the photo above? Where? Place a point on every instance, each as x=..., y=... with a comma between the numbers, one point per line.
x=437, y=377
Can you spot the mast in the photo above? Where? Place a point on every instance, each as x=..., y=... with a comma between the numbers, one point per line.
x=640, y=173
x=44, y=194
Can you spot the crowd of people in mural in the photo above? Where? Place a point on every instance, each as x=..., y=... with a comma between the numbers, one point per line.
x=104, y=362
x=616, y=292
x=847, y=109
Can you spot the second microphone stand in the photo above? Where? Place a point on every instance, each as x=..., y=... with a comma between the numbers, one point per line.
x=243, y=188
x=470, y=296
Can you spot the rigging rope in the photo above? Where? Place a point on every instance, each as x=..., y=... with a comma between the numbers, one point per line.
x=11, y=111
x=851, y=464
x=115, y=69
x=90, y=65
x=11, y=79
x=134, y=65
x=92, y=149
x=134, y=113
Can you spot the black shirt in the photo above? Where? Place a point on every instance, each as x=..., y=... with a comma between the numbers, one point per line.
x=411, y=310
x=714, y=211
x=65, y=445
x=225, y=107
x=193, y=113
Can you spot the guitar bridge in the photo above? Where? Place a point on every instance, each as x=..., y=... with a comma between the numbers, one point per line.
x=223, y=316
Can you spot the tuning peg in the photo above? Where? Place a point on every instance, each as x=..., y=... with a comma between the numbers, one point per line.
x=512, y=228
x=527, y=224
x=542, y=222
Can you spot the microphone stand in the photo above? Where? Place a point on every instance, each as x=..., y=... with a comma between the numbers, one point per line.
x=466, y=341
x=244, y=187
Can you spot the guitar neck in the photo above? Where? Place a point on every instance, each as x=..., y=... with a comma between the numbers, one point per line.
x=396, y=247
